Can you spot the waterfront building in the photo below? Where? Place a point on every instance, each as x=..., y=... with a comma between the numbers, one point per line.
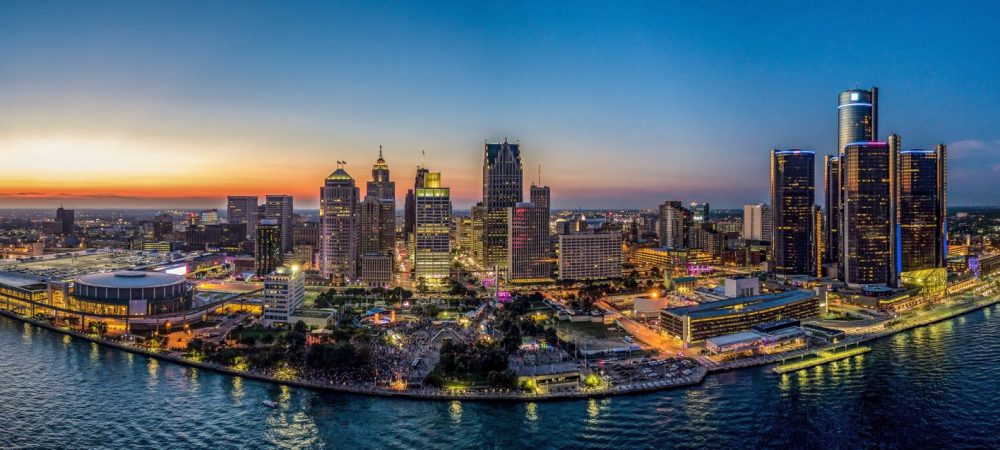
x=868, y=219
x=831, y=224
x=267, y=247
x=279, y=207
x=339, y=227
x=792, y=199
x=590, y=256
x=674, y=219
x=757, y=222
x=699, y=322
x=923, y=208
x=432, y=241
x=243, y=209
x=528, y=234
x=503, y=188
x=284, y=292
x=857, y=114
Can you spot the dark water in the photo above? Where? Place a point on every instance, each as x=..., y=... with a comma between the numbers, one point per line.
x=933, y=387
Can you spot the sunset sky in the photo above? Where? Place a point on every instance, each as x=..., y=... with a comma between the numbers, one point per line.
x=623, y=104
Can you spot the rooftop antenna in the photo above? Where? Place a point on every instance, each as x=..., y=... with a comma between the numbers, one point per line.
x=380, y=152
x=423, y=154
x=539, y=174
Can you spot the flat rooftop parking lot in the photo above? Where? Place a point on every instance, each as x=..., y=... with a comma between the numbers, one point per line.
x=68, y=265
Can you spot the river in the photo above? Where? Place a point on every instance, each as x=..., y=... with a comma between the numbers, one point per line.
x=931, y=387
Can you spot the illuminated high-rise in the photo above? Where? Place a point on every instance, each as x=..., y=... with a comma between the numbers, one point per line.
x=379, y=235
x=528, y=238
x=279, y=208
x=757, y=222
x=857, y=112
x=267, y=247
x=922, y=209
x=503, y=188
x=868, y=217
x=831, y=191
x=432, y=243
x=338, y=211
x=793, y=186
x=672, y=228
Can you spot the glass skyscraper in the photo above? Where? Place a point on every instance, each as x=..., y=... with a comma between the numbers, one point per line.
x=868, y=171
x=831, y=189
x=858, y=117
x=503, y=188
x=922, y=209
x=793, y=186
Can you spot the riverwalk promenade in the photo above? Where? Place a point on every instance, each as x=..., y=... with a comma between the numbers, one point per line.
x=694, y=378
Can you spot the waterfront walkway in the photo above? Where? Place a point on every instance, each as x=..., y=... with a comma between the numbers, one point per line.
x=695, y=378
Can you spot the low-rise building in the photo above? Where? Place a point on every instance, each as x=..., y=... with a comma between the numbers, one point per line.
x=699, y=322
x=284, y=292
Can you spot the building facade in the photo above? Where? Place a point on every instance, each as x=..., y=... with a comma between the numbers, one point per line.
x=674, y=219
x=243, y=209
x=857, y=113
x=793, y=186
x=267, y=247
x=284, y=292
x=923, y=209
x=279, y=208
x=868, y=171
x=528, y=241
x=590, y=256
x=339, y=227
x=503, y=188
x=432, y=234
x=757, y=222
x=831, y=223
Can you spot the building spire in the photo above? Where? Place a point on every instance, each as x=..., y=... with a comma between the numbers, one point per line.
x=380, y=152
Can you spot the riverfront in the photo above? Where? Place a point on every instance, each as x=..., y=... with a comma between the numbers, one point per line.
x=92, y=396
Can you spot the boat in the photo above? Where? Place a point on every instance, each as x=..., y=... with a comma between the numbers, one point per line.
x=270, y=404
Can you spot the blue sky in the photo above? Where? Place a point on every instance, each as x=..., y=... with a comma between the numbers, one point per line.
x=621, y=103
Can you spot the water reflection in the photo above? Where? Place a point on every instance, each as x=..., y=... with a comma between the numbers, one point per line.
x=455, y=411
x=237, y=390
x=26, y=333
x=67, y=340
x=153, y=367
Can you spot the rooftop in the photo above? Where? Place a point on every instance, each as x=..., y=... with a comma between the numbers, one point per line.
x=742, y=304
x=127, y=279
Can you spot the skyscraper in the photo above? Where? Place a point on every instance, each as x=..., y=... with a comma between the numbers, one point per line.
x=410, y=206
x=503, y=187
x=867, y=229
x=857, y=112
x=65, y=221
x=699, y=212
x=673, y=224
x=279, y=208
x=243, y=209
x=338, y=210
x=922, y=209
x=528, y=238
x=267, y=247
x=432, y=243
x=757, y=222
x=793, y=186
x=831, y=190
x=384, y=189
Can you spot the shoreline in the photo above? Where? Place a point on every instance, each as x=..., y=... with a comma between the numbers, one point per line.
x=696, y=378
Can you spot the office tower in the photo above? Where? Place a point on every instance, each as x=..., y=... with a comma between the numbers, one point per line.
x=818, y=244
x=432, y=242
x=306, y=233
x=410, y=207
x=867, y=170
x=857, y=112
x=540, y=196
x=502, y=189
x=279, y=208
x=699, y=212
x=793, y=185
x=268, y=247
x=284, y=292
x=673, y=226
x=163, y=227
x=478, y=228
x=528, y=241
x=338, y=211
x=757, y=222
x=65, y=219
x=588, y=255
x=922, y=209
x=243, y=209
x=831, y=188
x=369, y=226
x=384, y=189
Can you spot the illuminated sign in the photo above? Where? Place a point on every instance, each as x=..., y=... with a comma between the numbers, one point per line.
x=503, y=296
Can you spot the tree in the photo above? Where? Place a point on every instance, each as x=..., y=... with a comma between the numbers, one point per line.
x=300, y=327
x=248, y=340
x=195, y=345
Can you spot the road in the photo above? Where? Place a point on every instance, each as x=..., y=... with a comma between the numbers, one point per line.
x=641, y=332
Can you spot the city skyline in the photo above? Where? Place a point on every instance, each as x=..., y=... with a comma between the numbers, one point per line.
x=653, y=95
